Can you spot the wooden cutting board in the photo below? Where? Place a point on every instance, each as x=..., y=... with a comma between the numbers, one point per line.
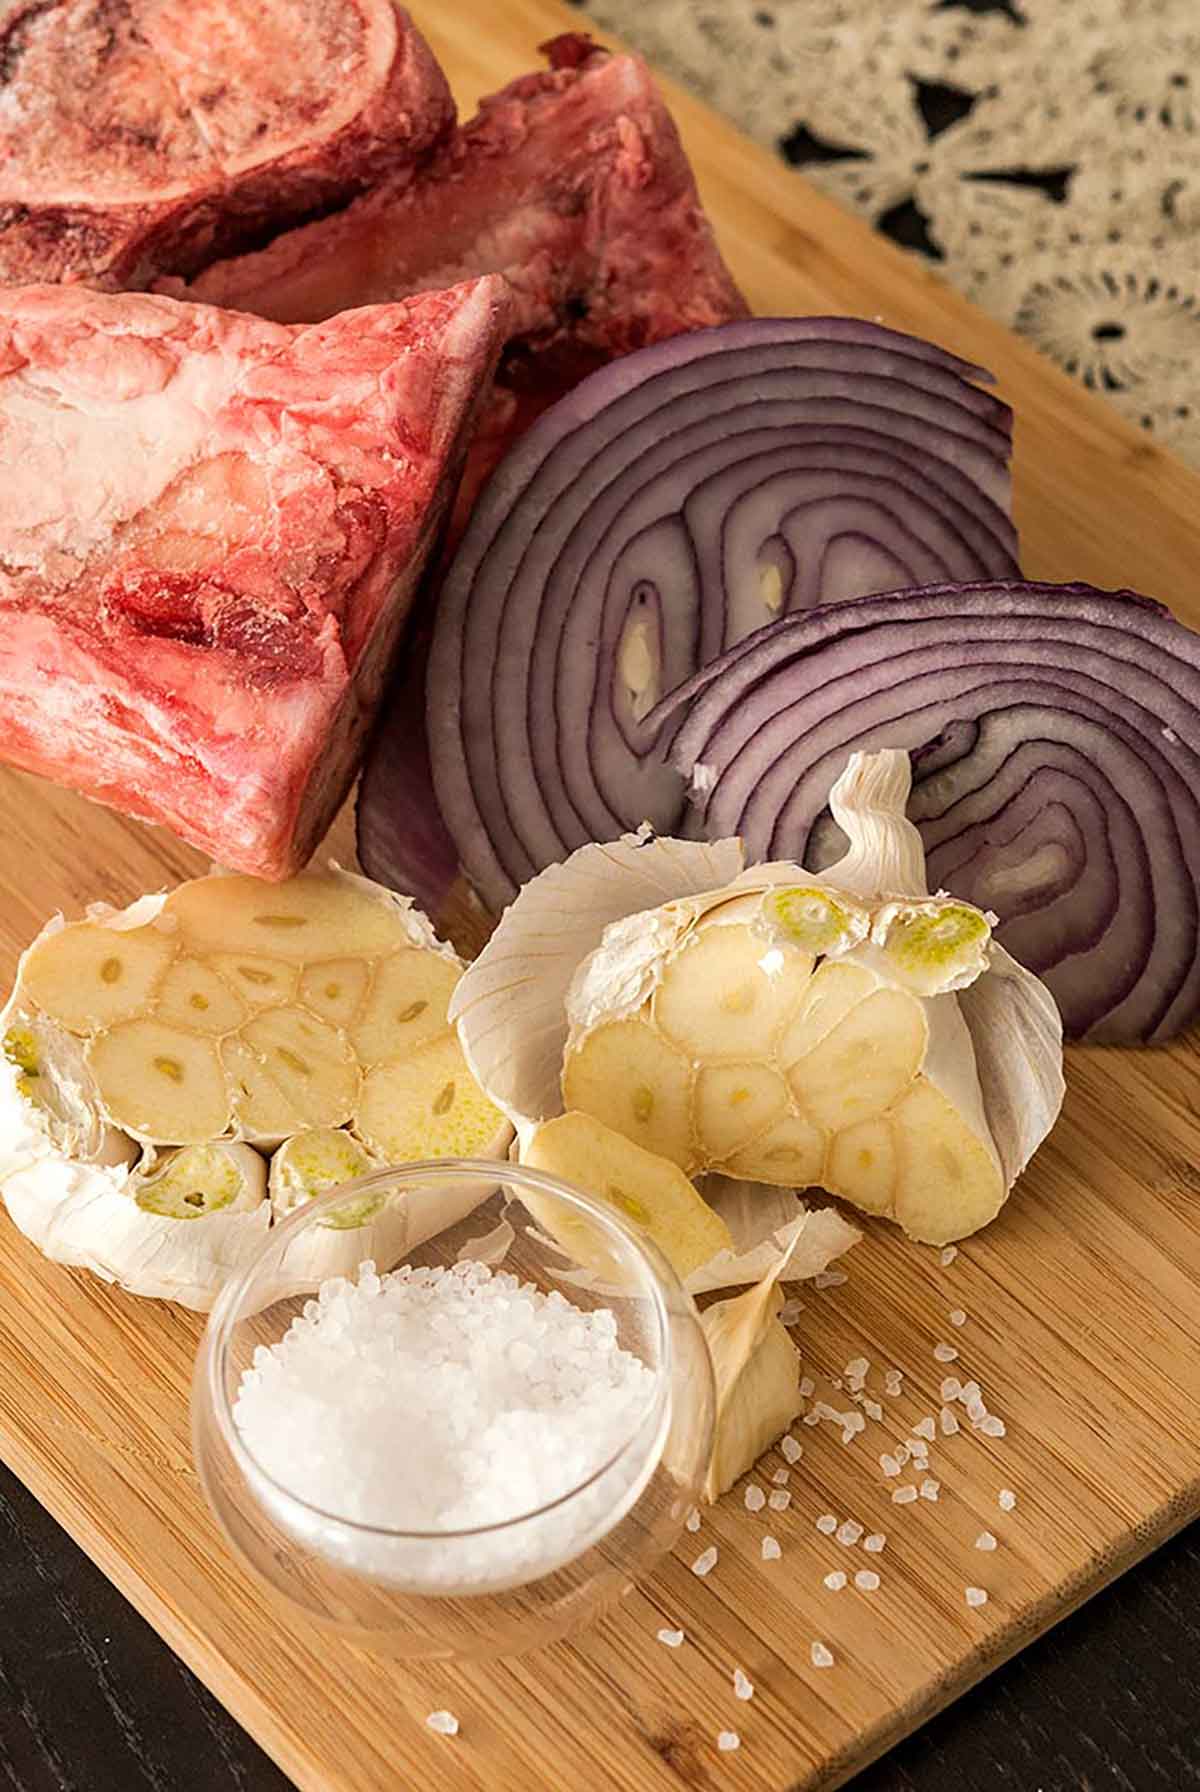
x=1083, y=1300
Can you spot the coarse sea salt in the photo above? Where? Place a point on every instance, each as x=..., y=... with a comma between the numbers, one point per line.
x=672, y=1638
x=866, y=1580
x=706, y=1561
x=754, y=1498
x=771, y=1551
x=743, y=1687
x=835, y=1580
x=443, y=1722
x=822, y=1657
x=1006, y=1499
x=515, y=1397
x=728, y=1740
x=790, y=1450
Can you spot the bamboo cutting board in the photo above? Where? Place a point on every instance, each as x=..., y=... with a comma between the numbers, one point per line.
x=1083, y=1299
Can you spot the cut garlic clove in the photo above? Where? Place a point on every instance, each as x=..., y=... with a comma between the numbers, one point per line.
x=311, y=1163
x=733, y=1104
x=821, y=921
x=261, y=982
x=428, y=1105
x=949, y=1180
x=862, y=1166
x=935, y=946
x=727, y=992
x=648, y=1191
x=626, y=1074
x=334, y=989
x=833, y=992
x=159, y=1083
x=313, y=916
x=193, y=995
x=868, y=1059
x=200, y=1180
x=88, y=975
x=291, y=1071
x=790, y=1154
x=406, y=1005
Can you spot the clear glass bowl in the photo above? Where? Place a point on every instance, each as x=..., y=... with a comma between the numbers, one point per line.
x=539, y=1575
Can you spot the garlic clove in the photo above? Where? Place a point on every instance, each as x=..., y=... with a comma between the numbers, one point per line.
x=626, y=1074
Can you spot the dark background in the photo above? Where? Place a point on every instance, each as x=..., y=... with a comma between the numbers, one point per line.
x=92, y=1701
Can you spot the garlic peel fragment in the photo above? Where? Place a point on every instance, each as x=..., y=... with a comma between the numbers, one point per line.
x=757, y=1371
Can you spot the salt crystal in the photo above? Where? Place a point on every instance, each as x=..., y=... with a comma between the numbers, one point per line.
x=771, y=1551
x=780, y=1500
x=781, y=1477
x=444, y=1722
x=827, y=1524
x=873, y=1410
x=948, y=1255
x=904, y=1496
x=742, y=1687
x=866, y=1580
x=728, y=1740
x=875, y=1542
x=925, y=1428
x=808, y=1387
x=849, y=1532
x=857, y=1368
x=892, y=1380
x=692, y=1521
x=754, y=1497
x=977, y=1412
x=985, y=1540
x=902, y=1454
x=951, y=1388
x=821, y=1656
x=956, y=1316
x=790, y=1450
x=930, y=1489
x=991, y=1426
x=790, y=1311
x=889, y=1465
x=829, y=1278
x=950, y=1424
x=945, y=1353
x=976, y=1596
x=811, y=1418
x=672, y=1638
x=1007, y=1499
x=970, y=1390
x=835, y=1580
x=705, y=1561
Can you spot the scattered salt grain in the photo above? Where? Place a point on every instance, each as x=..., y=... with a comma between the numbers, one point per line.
x=976, y=1596
x=781, y=1477
x=444, y=1722
x=925, y=1428
x=904, y=1496
x=873, y=1410
x=956, y=1316
x=866, y=1580
x=821, y=1656
x=970, y=1390
x=728, y=1740
x=1007, y=1499
x=330, y=1410
x=743, y=1688
x=827, y=1524
x=985, y=1540
x=808, y=1387
x=754, y=1497
x=829, y=1278
x=930, y=1489
x=672, y=1638
x=835, y=1580
x=977, y=1412
x=948, y=1255
x=950, y=1424
x=811, y=1418
x=780, y=1500
x=771, y=1551
x=790, y=1450
x=875, y=1543
x=849, y=1532
x=705, y=1561
x=889, y=1465
x=951, y=1388
x=902, y=1454
x=892, y=1381
x=857, y=1368
x=991, y=1426
x=790, y=1311
x=692, y=1521
x=945, y=1353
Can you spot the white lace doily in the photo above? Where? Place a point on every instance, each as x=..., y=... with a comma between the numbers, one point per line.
x=1045, y=153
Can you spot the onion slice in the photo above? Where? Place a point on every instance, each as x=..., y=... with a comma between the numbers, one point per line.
x=667, y=507
x=1055, y=740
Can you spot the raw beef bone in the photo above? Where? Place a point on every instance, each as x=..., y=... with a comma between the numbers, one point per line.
x=212, y=527
x=571, y=182
x=141, y=136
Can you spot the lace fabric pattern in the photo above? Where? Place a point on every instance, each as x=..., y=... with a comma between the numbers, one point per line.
x=1044, y=154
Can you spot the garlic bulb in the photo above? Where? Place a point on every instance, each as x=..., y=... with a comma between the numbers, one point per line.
x=153, y=1055
x=851, y=1030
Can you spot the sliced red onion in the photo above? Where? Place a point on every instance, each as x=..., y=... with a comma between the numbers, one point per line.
x=1055, y=734
x=666, y=508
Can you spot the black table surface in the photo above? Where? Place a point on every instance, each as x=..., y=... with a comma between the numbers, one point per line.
x=92, y=1701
